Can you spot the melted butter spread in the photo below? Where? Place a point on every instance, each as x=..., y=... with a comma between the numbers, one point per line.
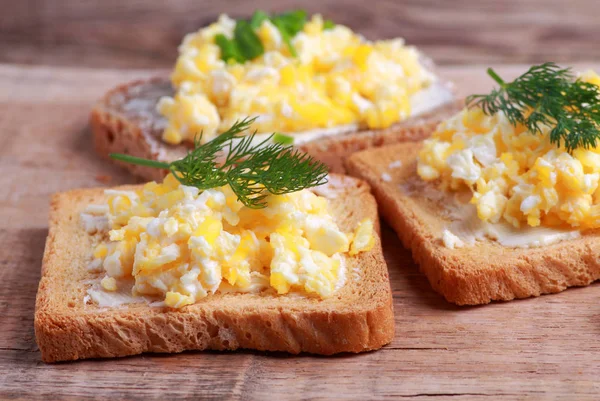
x=466, y=229
x=469, y=229
x=122, y=295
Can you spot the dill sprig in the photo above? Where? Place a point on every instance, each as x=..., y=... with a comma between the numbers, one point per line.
x=547, y=95
x=251, y=170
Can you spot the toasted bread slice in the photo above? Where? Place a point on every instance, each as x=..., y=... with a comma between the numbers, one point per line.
x=474, y=274
x=359, y=317
x=125, y=120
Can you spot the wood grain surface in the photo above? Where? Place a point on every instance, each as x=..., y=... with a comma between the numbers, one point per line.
x=539, y=348
x=142, y=34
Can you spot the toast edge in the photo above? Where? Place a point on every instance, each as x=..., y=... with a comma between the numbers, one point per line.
x=113, y=133
x=71, y=336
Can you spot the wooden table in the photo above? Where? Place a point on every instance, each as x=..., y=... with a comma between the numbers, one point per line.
x=146, y=33
x=536, y=348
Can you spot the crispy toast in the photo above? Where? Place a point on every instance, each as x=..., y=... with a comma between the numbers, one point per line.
x=359, y=317
x=471, y=275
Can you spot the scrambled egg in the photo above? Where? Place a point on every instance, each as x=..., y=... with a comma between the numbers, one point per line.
x=181, y=244
x=514, y=175
x=338, y=78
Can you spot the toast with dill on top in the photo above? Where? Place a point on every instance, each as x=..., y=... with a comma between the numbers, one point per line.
x=329, y=91
x=70, y=325
x=261, y=250
x=500, y=203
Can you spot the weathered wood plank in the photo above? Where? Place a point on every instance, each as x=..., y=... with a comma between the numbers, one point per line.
x=534, y=348
x=145, y=34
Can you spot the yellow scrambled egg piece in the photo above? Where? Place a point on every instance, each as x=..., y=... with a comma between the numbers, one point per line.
x=182, y=244
x=515, y=175
x=338, y=78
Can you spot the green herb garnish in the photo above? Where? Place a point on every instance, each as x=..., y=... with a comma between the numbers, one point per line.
x=328, y=24
x=229, y=49
x=251, y=170
x=547, y=95
x=246, y=45
x=292, y=22
x=285, y=36
x=248, y=42
x=283, y=139
x=258, y=18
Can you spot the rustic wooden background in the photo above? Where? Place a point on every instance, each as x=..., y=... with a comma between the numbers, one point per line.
x=145, y=34
x=540, y=348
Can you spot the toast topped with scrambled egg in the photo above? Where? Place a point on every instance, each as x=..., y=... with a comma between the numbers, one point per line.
x=501, y=202
x=326, y=89
x=209, y=259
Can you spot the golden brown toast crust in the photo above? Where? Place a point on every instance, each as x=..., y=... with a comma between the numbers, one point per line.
x=119, y=129
x=358, y=318
x=475, y=274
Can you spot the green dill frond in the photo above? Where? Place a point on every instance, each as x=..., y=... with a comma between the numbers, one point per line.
x=252, y=170
x=547, y=95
